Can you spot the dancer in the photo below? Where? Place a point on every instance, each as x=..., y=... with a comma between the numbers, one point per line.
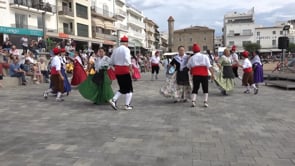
x=79, y=74
x=135, y=66
x=225, y=78
x=67, y=85
x=121, y=59
x=199, y=65
x=235, y=61
x=102, y=92
x=56, y=76
x=178, y=86
x=257, y=69
x=248, y=74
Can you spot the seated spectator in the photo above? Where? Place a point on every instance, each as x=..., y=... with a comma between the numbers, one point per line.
x=16, y=71
x=2, y=66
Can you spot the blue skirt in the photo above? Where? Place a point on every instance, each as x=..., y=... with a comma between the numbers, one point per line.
x=258, y=73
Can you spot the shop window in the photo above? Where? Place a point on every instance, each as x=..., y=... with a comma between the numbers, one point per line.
x=82, y=30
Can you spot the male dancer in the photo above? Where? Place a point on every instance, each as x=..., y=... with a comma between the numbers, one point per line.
x=121, y=59
x=155, y=60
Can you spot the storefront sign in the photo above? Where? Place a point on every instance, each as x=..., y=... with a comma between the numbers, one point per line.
x=20, y=31
x=63, y=35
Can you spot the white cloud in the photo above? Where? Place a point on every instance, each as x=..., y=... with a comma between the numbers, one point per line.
x=211, y=13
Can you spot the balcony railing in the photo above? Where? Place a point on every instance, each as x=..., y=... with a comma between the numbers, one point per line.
x=25, y=26
x=102, y=12
x=64, y=10
x=121, y=12
x=136, y=22
x=68, y=31
x=35, y=4
x=106, y=36
x=121, y=27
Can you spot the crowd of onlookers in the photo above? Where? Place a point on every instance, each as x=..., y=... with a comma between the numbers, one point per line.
x=24, y=61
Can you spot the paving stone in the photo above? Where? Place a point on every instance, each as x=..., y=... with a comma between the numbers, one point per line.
x=76, y=132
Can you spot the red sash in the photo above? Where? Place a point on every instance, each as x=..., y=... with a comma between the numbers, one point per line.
x=200, y=71
x=155, y=64
x=120, y=70
x=53, y=71
x=247, y=70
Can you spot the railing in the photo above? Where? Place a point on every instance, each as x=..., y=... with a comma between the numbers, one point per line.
x=121, y=12
x=66, y=31
x=102, y=12
x=26, y=26
x=36, y=4
x=136, y=22
x=121, y=26
x=64, y=10
x=247, y=34
x=106, y=36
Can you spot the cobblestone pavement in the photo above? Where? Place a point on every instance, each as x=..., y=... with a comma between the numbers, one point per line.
x=236, y=130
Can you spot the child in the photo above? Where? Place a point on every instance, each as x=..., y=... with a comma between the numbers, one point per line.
x=247, y=79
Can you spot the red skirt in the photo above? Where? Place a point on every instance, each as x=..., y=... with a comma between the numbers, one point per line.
x=79, y=74
x=136, y=73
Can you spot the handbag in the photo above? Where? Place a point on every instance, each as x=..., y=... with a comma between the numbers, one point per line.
x=171, y=70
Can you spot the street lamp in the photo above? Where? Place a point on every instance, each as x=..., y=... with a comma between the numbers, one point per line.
x=285, y=29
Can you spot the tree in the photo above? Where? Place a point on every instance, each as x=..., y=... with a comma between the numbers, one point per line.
x=251, y=47
x=291, y=47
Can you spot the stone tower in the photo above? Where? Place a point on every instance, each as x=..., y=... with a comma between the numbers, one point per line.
x=170, y=33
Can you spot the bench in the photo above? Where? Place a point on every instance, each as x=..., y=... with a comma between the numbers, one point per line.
x=14, y=81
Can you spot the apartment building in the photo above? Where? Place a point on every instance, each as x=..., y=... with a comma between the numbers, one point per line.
x=136, y=29
x=25, y=18
x=103, y=23
x=150, y=34
x=186, y=37
x=239, y=29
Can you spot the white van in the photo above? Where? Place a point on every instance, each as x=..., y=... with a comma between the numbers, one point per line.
x=220, y=51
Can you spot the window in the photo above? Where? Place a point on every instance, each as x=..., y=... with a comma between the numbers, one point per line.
x=247, y=32
x=231, y=43
x=190, y=39
x=205, y=48
x=81, y=11
x=258, y=41
x=281, y=32
x=82, y=30
x=204, y=38
x=190, y=48
x=39, y=22
x=231, y=33
x=179, y=39
x=105, y=10
x=21, y=21
x=273, y=32
x=258, y=33
x=274, y=43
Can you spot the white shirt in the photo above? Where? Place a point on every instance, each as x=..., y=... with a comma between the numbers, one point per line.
x=247, y=63
x=198, y=59
x=234, y=58
x=121, y=56
x=155, y=60
x=56, y=63
x=256, y=59
x=101, y=62
x=182, y=60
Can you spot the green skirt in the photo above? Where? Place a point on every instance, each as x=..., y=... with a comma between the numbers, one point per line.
x=98, y=94
x=226, y=84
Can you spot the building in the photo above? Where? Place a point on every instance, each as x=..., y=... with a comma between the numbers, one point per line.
x=136, y=30
x=218, y=42
x=164, y=41
x=25, y=18
x=150, y=34
x=203, y=36
x=103, y=21
x=121, y=19
x=238, y=29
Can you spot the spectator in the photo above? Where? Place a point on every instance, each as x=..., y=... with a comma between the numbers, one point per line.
x=43, y=67
x=24, y=42
x=41, y=45
x=7, y=45
x=16, y=71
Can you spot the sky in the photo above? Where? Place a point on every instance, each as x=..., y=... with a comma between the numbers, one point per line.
x=210, y=13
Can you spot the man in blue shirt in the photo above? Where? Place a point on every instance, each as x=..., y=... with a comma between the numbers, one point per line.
x=16, y=71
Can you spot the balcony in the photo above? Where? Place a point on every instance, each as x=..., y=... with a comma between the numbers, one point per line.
x=32, y=5
x=102, y=13
x=247, y=34
x=121, y=27
x=121, y=1
x=105, y=36
x=65, y=11
x=68, y=31
x=25, y=26
x=136, y=35
x=136, y=22
x=120, y=14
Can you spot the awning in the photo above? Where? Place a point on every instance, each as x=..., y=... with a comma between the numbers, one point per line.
x=97, y=22
x=109, y=25
x=265, y=50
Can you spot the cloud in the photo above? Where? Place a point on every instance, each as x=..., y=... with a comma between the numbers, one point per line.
x=211, y=13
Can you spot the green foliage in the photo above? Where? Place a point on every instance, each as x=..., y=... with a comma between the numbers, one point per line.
x=251, y=47
x=291, y=47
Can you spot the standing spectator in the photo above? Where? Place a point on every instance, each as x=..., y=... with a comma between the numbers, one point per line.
x=16, y=71
x=41, y=45
x=43, y=67
x=24, y=42
x=155, y=61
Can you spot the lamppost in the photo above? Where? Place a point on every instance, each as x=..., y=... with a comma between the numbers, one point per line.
x=285, y=29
